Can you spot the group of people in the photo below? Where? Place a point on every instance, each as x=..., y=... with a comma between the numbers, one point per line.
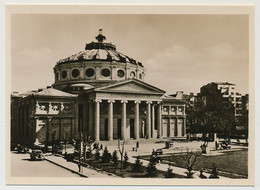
x=97, y=146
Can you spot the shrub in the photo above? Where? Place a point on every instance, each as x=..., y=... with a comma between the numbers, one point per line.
x=137, y=167
x=151, y=169
x=106, y=156
x=89, y=153
x=97, y=154
x=169, y=173
x=125, y=163
x=115, y=159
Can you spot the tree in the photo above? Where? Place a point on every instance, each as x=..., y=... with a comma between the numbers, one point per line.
x=106, y=156
x=97, y=154
x=121, y=149
x=115, y=159
x=191, y=159
x=151, y=168
x=137, y=167
x=169, y=173
x=125, y=163
x=211, y=113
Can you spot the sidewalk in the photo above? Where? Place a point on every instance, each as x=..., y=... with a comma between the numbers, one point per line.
x=73, y=167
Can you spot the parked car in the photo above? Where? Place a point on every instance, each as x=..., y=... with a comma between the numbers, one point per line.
x=225, y=145
x=157, y=152
x=37, y=154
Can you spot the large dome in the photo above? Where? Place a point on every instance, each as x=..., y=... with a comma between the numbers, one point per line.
x=99, y=63
x=98, y=51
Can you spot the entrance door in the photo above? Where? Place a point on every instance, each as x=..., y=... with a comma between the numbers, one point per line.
x=119, y=128
x=106, y=129
x=132, y=123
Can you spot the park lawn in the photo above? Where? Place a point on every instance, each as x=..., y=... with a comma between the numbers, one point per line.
x=233, y=164
x=127, y=172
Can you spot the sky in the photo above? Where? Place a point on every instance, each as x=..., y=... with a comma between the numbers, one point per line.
x=179, y=52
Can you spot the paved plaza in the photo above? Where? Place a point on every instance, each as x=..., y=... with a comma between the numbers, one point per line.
x=22, y=166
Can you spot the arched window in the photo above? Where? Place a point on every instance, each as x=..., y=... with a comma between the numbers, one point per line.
x=64, y=74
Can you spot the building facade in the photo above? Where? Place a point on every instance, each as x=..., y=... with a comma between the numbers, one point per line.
x=99, y=92
x=217, y=95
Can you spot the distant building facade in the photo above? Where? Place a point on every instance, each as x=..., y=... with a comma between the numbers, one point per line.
x=101, y=93
x=218, y=94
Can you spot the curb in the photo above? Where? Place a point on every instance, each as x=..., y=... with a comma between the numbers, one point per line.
x=81, y=175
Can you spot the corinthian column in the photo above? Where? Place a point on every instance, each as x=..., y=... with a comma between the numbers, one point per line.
x=148, y=120
x=159, y=120
x=136, y=129
x=97, y=119
x=110, y=119
x=123, y=124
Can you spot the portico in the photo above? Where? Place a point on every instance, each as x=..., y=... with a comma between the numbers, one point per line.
x=126, y=115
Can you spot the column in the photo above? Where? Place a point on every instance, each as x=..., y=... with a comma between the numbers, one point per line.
x=123, y=124
x=90, y=120
x=148, y=120
x=136, y=129
x=49, y=128
x=97, y=119
x=153, y=120
x=110, y=119
x=178, y=126
x=184, y=126
x=159, y=120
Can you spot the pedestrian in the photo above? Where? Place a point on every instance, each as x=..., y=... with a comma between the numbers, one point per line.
x=137, y=144
x=101, y=147
x=214, y=174
x=79, y=166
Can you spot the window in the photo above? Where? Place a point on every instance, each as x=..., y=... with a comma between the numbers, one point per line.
x=90, y=72
x=57, y=76
x=75, y=73
x=120, y=73
x=140, y=76
x=132, y=74
x=64, y=74
x=105, y=72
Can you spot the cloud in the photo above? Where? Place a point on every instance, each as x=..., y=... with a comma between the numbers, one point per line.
x=183, y=68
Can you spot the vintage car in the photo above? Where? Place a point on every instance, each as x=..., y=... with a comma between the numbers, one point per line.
x=37, y=154
x=225, y=145
x=157, y=152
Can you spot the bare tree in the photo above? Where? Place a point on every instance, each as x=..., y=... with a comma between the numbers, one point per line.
x=191, y=159
x=121, y=149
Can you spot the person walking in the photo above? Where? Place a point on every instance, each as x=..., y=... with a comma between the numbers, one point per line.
x=137, y=145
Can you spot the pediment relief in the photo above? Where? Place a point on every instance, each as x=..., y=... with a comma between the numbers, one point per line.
x=131, y=86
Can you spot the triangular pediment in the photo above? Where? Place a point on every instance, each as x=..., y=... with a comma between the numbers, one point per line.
x=131, y=86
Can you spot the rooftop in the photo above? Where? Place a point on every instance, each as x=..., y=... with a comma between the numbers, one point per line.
x=100, y=51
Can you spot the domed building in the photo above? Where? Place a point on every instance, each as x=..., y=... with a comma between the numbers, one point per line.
x=101, y=93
